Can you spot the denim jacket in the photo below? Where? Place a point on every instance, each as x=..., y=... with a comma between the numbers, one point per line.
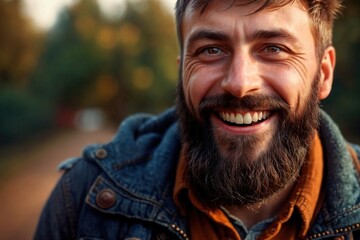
x=123, y=189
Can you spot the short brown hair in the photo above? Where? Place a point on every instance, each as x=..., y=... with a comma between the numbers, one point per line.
x=322, y=14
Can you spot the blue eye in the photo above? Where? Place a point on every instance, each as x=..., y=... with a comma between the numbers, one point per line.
x=273, y=49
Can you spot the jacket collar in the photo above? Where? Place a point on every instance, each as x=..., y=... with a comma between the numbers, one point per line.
x=340, y=211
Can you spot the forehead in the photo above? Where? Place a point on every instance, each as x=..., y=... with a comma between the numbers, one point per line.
x=292, y=16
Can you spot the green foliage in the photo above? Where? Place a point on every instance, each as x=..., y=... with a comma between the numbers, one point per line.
x=67, y=66
x=19, y=45
x=22, y=115
x=152, y=64
x=122, y=65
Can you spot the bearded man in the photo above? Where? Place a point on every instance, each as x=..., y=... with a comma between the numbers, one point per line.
x=246, y=154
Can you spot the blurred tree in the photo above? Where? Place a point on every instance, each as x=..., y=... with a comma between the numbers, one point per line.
x=22, y=113
x=122, y=65
x=146, y=33
x=19, y=45
x=71, y=60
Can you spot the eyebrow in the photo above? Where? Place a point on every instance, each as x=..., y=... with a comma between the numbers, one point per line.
x=208, y=34
x=273, y=33
x=257, y=35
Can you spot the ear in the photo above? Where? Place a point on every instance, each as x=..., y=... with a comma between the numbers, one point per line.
x=327, y=66
x=178, y=60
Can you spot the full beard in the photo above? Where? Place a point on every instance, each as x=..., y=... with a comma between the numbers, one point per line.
x=222, y=170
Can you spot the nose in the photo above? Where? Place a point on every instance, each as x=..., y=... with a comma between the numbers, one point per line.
x=242, y=77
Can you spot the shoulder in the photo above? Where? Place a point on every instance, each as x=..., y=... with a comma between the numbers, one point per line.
x=58, y=219
x=138, y=139
x=131, y=134
x=78, y=174
x=143, y=144
x=141, y=124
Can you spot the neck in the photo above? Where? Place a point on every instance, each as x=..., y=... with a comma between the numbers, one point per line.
x=255, y=213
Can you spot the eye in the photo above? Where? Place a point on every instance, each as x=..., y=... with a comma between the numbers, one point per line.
x=274, y=52
x=212, y=51
x=273, y=49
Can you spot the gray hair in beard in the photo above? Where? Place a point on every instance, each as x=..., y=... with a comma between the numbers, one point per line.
x=236, y=179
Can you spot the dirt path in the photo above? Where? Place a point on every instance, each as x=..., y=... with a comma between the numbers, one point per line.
x=31, y=177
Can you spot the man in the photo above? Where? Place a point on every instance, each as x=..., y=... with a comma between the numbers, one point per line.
x=250, y=155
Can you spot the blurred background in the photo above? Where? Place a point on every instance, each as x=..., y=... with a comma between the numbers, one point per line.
x=71, y=70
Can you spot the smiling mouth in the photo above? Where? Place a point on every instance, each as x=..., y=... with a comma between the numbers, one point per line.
x=244, y=119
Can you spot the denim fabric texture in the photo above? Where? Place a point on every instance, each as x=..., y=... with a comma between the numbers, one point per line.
x=123, y=189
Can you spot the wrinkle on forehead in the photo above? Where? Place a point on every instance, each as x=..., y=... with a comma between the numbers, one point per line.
x=253, y=6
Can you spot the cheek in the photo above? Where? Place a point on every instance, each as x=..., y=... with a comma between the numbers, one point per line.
x=199, y=81
x=288, y=84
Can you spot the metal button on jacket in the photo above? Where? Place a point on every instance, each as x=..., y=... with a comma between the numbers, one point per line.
x=106, y=198
x=101, y=153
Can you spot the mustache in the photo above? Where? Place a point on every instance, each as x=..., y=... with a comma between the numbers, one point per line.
x=250, y=102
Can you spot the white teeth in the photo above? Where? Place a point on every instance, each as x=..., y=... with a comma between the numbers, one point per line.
x=255, y=117
x=227, y=117
x=232, y=118
x=260, y=116
x=247, y=119
x=239, y=119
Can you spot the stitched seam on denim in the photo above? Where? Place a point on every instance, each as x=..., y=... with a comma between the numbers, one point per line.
x=343, y=211
x=336, y=232
x=134, y=161
x=70, y=209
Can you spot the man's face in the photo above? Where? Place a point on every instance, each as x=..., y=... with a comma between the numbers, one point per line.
x=226, y=50
x=249, y=81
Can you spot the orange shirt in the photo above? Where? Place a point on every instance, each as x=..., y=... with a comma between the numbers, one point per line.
x=293, y=221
